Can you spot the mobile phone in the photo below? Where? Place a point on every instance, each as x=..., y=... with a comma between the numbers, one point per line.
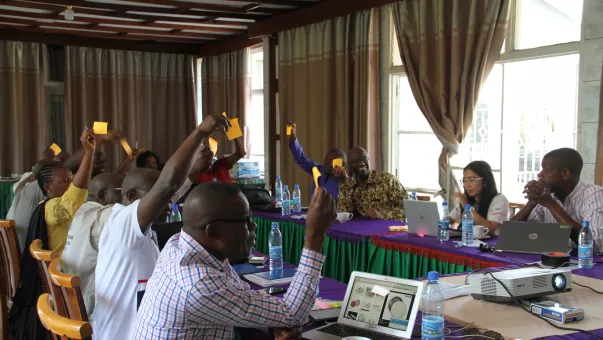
x=275, y=290
x=257, y=260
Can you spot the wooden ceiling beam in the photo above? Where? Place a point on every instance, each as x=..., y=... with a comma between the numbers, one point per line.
x=309, y=15
x=113, y=35
x=228, y=45
x=10, y=33
x=228, y=12
x=295, y=3
x=112, y=21
x=33, y=22
x=252, y=7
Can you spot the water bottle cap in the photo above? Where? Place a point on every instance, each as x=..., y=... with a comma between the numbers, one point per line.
x=278, y=178
x=285, y=186
x=175, y=206
x=467, y=206
x=274, y=225
x=444, y=204
x=413, y=193
x=585, y=224
x=433, y=276
x=296, y=186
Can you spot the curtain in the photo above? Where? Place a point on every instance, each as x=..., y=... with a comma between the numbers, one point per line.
x=149, y=97
x=448, y=48
x=25, y=126
x=599, y=159
x=329, y=85
x=226, y=87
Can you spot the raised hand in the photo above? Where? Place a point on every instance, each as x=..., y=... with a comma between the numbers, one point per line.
x=214, y=123
x=321, y=213
x=88, y=140
x=293, y=130
x=340, y=174
x=460, y=197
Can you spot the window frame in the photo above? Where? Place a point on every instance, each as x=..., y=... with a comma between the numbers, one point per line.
x=508, y=55
x=255, y=92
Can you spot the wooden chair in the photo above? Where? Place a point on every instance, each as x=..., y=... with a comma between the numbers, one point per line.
x=513, y=207
x=69, y=285
x=423, y=198
x=10, y=268
x=44, y=258
x=63, y=327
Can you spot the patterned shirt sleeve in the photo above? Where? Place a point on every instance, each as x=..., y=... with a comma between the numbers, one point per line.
x=397, y=194
x=216, y=301
x=592, y=210
x=344, y=201
x=537, y=214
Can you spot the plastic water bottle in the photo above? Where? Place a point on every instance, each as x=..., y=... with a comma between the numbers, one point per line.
x=585, y=247
x=275, y=244
x=296, y=199
x=413, y=196
x=444, y=234
x=432, y=303
x=286, y=211
x=467, y=226
x=278, y=190
x=175, y=215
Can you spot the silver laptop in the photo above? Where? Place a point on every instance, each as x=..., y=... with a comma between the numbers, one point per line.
x=533, y=237
x=376, y=307
x=422, y=218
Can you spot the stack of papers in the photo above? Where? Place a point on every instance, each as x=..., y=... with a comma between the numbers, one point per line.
x=326, y=304
x=270, y=279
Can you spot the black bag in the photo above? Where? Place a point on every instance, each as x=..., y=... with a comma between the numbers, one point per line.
x=259, y=198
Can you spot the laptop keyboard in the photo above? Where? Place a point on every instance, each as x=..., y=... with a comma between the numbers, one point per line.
x=344, y=331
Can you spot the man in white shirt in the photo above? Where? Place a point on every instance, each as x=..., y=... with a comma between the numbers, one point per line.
x=127, y=251
x=81, y=248
x=559, y=197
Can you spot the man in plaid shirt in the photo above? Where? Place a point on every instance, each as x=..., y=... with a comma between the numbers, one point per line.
x=194, y=293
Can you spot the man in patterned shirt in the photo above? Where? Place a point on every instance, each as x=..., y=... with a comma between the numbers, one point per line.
x=371, y=193
x=194, y=293
x=560, y=197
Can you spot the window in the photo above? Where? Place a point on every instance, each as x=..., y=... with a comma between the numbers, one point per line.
x=526, y=108
x=255, y=121
x=199, y=91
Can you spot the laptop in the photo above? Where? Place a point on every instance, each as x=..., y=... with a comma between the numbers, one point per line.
x=376, y=307
x=533, y=237
x=423, y=217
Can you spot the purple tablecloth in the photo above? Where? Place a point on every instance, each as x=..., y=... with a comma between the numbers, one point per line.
x=356, y=230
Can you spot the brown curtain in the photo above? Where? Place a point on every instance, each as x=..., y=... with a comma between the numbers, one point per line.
x=448, y=48
x=226, y=87
x=329, y=85
x=25, y=126
x=149, y=97
x=599, y=160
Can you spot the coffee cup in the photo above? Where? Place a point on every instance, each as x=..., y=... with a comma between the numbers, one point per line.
x=343, y=217
x=479, y=231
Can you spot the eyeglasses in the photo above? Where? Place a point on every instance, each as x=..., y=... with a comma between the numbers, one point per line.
x=470, y=180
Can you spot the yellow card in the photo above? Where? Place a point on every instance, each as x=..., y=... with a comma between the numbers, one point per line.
x=126, y=147
x=316, y=174
x=56, y=149
x=100, y=128
x=288, y=130
x=213, y=145
x=234, y=131
x=338, y=162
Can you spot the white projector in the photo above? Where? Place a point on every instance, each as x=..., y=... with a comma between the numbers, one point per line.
x=524, y=283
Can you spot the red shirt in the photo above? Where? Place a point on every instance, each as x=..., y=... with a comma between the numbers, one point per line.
x=219, y=170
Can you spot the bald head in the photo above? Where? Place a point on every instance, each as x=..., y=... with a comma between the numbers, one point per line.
x=137, y=183
x=359, y=163
x=357, y=152
x=210, y=201
x=102, y=188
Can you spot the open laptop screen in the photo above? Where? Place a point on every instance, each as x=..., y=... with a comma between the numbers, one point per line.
x=382, y=303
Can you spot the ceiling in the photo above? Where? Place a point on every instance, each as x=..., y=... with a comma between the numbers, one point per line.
x=188, y=21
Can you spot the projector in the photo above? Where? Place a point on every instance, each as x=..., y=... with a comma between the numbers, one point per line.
x=523, y=283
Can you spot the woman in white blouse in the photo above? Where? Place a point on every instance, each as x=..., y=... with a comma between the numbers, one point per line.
x=490, y=209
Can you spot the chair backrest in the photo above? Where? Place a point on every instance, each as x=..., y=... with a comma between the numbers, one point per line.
x=513, y=207
x=64, y=327
x=10, y=258
x=44, y=258
x=69, y=286
x=423, y=198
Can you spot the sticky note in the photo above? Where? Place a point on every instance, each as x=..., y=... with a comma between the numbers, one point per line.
x=56, y=149
x=288, y=130
x=213, y=145
x=316, y=174
x=100, y=128
x=338, y=162
x=234, y=131
x=126, y=147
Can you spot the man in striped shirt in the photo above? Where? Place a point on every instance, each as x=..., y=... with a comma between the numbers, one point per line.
x=194, y=293
x=560, y=197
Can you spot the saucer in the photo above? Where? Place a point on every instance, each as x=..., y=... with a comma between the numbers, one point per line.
x=484, y=237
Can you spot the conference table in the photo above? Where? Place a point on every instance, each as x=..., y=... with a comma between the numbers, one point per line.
x=6, y=196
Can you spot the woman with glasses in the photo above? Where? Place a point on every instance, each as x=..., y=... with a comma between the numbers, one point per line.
x=490, y=208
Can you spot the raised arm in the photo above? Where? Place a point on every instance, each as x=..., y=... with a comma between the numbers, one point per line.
x=82, y=176
x=176, y=170
x=298, y=152
x=74, y=161
x=239, y=153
